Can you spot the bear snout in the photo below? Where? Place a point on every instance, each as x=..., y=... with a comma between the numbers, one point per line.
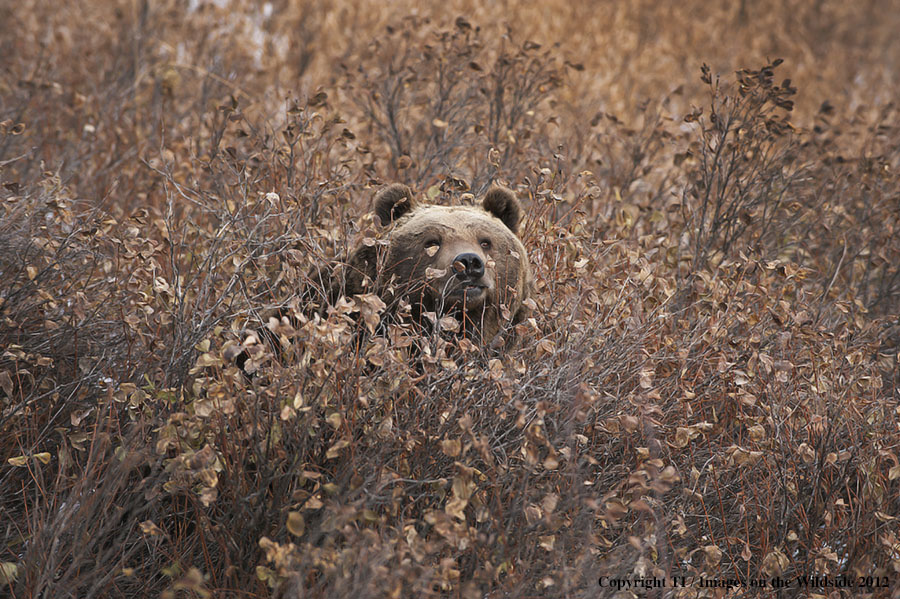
x=468, y=265
x=467, y=283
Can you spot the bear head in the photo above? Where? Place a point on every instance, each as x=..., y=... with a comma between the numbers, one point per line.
x=464, y=261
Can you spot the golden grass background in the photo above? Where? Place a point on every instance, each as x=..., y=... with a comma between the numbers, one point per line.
x=708, y=387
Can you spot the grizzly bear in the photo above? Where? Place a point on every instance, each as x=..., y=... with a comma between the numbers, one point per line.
x=460, y=261
x=436, y=261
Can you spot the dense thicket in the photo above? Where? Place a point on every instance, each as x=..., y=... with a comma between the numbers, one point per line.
x=708, y=386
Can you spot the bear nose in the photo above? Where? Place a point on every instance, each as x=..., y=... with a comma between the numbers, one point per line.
x=472, y=265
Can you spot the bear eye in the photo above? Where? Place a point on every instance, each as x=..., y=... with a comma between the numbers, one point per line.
x=432, y=246
x=486, y=244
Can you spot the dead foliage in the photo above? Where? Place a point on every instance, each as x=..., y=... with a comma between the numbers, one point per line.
x=707, y=386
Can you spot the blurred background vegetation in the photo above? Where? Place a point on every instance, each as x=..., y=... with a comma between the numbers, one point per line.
x=708, y=387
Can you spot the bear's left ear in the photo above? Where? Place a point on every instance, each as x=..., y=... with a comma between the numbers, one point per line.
x=502, y=203
x=392, y=202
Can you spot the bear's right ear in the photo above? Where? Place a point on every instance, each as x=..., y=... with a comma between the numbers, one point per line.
x=392, y=202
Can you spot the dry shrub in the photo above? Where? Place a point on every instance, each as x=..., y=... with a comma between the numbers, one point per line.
x=707, y=387
x=460, y=100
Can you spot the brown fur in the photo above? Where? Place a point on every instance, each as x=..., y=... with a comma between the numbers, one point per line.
x=419, y=266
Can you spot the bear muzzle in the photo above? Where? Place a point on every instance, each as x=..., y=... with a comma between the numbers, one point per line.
x=468, y=265
x=467, y=285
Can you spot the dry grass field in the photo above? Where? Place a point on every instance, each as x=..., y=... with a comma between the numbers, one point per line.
x=707, y=392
